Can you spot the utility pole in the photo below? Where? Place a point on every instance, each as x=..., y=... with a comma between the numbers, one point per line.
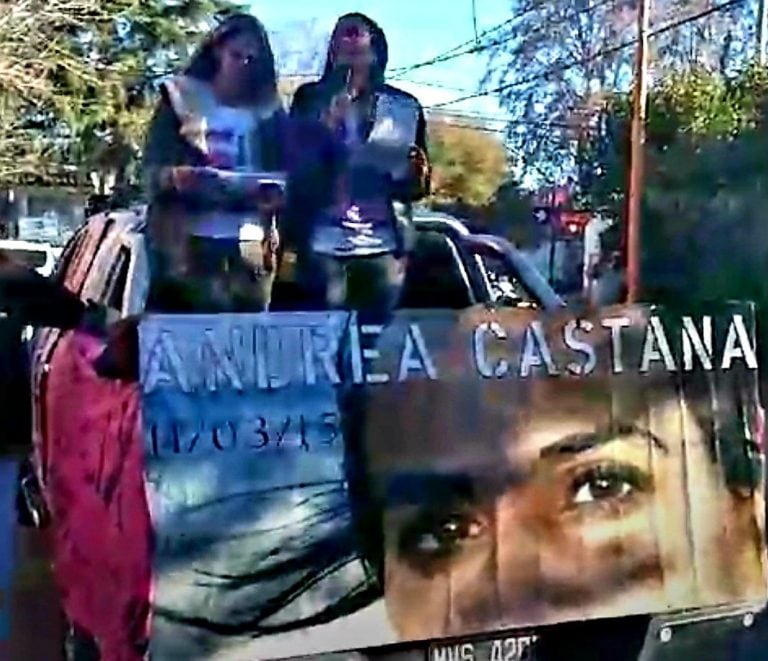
x=637, y=152
x=552, y=234
x=762, y=33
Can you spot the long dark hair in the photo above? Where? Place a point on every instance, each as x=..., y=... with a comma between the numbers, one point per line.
x=204, y=64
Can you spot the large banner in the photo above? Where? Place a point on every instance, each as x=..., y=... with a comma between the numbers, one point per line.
x=317, y=486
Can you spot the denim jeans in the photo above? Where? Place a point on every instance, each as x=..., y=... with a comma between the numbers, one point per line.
x=370, y=286
x=224, y=275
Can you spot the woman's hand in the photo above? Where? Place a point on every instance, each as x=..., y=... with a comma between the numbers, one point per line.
x=419, y=163
x=340, y=106
x=120, y=358
x=269, y=249
x=273, y=240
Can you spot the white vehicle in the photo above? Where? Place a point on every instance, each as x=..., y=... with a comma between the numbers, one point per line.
x=40, y=256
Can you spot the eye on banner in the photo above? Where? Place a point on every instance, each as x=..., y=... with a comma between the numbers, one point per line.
x=318, y=486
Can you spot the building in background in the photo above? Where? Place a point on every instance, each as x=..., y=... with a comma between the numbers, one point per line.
x=44, y=208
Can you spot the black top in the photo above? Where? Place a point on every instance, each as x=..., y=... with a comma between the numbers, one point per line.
x=312, y=99
x=26, y=298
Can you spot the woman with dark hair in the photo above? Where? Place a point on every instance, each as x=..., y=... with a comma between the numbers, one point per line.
x=223, y=113
x=382, y=133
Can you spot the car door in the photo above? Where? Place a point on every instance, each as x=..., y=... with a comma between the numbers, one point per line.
x=105, y=262
x=436, y=276
x=44, y=344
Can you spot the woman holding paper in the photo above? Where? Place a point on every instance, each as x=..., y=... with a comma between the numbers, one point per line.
x=382, y=132
x=217, y=126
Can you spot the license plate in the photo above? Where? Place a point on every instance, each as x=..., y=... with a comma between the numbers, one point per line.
x=510, y=647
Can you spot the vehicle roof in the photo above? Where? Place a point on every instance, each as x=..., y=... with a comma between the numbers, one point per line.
x=15, y=244
x=134, y=221
x=436, y=218
x=122, y=221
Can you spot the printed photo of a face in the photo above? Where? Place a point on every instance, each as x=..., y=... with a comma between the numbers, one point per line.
x=530, y=501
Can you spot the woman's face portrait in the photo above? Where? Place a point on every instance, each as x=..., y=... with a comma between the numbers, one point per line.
x=352, y=43
x=238, y=56
x=585, y=503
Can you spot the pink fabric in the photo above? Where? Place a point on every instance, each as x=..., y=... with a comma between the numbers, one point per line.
x=102, y=533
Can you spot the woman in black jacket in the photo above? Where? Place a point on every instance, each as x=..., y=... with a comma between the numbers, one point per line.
x=381, y=132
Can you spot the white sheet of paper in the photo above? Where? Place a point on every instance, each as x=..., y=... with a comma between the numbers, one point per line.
x=236, y=177
x=393, y=134
x=390, y=158
x=396, y=122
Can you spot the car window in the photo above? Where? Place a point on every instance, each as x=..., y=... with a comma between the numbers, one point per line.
x=113, y=294
x=436, y=277
x=67, y=255
x=508, y=290
x=32, y=258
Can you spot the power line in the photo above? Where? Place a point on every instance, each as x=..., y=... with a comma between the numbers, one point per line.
x=473, y=46
x=606, y=52
x=481, y=129
x=470, y=46
x=477, y=114
x=449, y=119
x=440, y=86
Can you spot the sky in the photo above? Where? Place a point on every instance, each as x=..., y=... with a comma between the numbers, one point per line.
x=417, y=30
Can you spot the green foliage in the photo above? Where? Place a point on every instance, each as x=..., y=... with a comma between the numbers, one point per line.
x=705, y=205
x=687, y=112
x=468, y=165
x=97, y=121
x=558, y=61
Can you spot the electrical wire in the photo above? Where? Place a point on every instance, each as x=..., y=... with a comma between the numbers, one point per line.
x=606, y=52
x=473, y=47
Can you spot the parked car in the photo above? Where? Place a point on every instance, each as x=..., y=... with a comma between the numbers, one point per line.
x=451, y=268
x=39, y=256
x=75, y=412
x=87, y=431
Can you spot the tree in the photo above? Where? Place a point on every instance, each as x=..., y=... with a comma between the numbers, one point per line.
x=704, y=230
x=555, y=64
x=96, y=82
x=132, y=52
x=468, y=164
x=551, y=65
x=688, y=111
x=35, y=53
x=720, y=41
x=299, y=65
